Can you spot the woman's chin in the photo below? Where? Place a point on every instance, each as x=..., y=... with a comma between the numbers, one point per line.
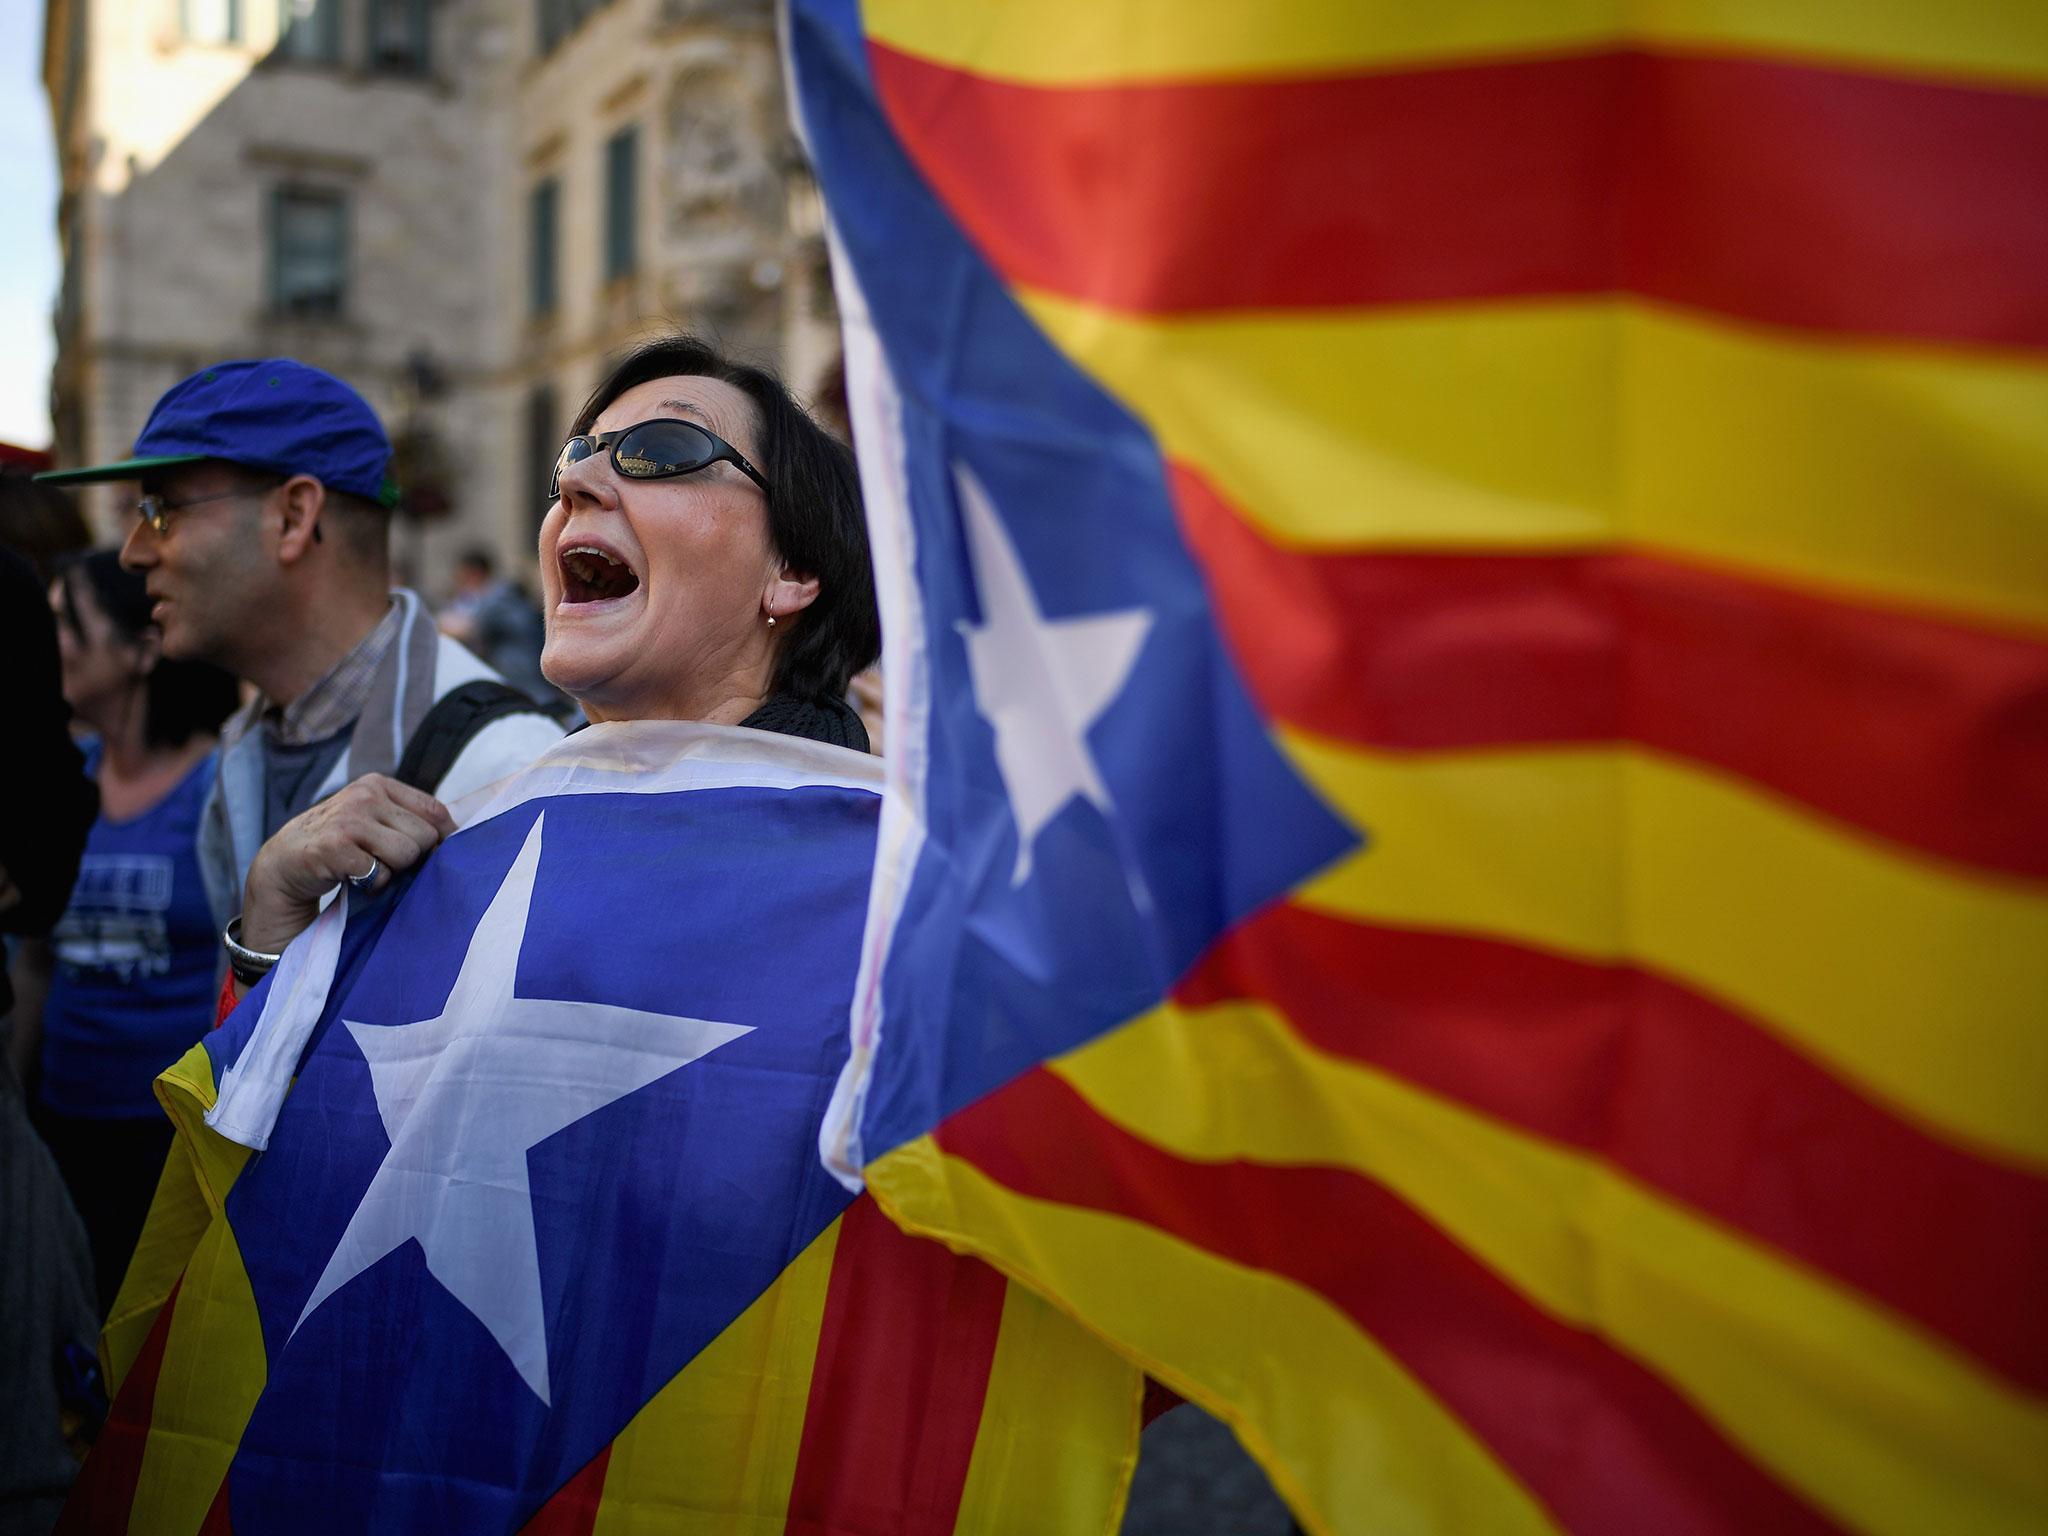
x=602, y=686
x=578, y=668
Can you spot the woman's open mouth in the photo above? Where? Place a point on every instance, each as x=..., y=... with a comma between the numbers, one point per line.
x=593, y=575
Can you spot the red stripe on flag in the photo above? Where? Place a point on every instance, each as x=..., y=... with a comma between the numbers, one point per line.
x=218, y=1521
x=1680, y=1093
x=1931, y=734
x=904, y=1352
x=1836, y=201
x=572, y=1509
x=1785, y=193
x=105, y=1491
x=1536, y=1391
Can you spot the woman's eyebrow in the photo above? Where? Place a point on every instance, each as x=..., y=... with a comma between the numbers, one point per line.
x=682, y=405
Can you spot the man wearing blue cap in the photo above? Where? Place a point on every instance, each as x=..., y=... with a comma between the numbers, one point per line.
x=263, y=531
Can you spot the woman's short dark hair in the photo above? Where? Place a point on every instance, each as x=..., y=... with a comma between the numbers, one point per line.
x=814, y=511
x=180, y=698
x=40, y=523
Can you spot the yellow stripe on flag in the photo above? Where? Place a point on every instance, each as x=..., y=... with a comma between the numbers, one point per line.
x=1886, y=1428
x=1378, y=1446
x=179, y=1217
x=1087, y=42
x=1024, y=1477
x=716, y=1449
x=1997, y=41
x=186, y=1091
x=213, y=1370
x=1914, y=474
x=1347, y=429
x=1905, y=474
x=1907, y=977
x=195, y=1179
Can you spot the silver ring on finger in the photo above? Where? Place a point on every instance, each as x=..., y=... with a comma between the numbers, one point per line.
x=368, y=877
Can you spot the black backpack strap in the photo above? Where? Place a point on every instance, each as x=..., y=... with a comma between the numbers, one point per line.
x=448, y=727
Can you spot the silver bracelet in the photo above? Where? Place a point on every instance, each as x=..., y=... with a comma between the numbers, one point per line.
x=249, y=965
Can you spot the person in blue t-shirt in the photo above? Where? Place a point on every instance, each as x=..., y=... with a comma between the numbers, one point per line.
x=134, y=957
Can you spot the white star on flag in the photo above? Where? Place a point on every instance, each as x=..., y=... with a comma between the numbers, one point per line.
x=1041, y=683
x=465, y=1094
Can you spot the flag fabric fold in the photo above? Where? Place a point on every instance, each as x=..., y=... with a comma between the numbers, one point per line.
x=1462, y=873
x=496, y=1207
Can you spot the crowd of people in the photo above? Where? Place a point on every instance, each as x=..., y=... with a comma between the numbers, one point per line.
x=259, y=719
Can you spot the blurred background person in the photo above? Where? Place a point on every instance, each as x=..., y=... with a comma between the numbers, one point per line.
x=133, y=957
x=40, y=523
x=497, y=620
x=46, y=1292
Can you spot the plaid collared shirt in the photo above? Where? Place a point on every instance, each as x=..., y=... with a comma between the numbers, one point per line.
x=337, y=698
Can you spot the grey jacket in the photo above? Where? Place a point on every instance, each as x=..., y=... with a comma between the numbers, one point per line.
x=421, y=665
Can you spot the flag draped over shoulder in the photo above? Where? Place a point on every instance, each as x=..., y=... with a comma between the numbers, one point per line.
x=1598, y=453
x=496, y=1207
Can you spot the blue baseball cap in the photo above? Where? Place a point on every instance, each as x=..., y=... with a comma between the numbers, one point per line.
x=267, y=413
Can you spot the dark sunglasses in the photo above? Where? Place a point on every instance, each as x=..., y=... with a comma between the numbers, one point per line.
x=654, y=450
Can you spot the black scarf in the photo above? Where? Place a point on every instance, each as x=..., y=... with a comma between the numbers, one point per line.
x=827, y=720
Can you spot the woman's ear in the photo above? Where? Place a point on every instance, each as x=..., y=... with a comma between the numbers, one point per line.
x=791, y=592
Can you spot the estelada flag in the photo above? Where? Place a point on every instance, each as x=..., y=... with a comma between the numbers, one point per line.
x=496, y=1207
x=1466, y=865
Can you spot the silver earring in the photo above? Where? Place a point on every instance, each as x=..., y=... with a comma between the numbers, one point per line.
x=771, y=621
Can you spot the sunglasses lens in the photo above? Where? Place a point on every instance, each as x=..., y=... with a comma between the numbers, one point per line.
x=655, y=450
x=574, y=451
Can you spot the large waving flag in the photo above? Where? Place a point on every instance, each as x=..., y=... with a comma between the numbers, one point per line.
x=1602, y=450
x=497, y=1207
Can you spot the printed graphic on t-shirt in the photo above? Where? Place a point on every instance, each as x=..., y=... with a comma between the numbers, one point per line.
x=116, y=923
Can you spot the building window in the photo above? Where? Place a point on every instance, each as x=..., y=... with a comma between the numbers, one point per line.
x=309, y=30
x=621, y=221
x=210, y=21
x=541, y=221
x=544, y=434
x=71, y=220
x=308, y=254
x=74, y=67
x=553, y=16
x=398, y=37
x=558, y=18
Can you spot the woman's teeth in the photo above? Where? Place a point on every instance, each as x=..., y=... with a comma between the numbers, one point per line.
x=592, y=576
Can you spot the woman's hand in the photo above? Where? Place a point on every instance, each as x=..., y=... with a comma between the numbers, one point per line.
x=373, y=818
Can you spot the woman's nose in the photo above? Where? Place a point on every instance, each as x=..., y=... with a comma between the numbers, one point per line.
x=582, y=476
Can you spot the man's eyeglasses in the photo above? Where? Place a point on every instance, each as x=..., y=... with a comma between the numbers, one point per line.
x=654, y=450
x=155, y=511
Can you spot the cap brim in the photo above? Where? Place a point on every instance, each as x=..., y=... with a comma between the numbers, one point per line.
x=124, y=469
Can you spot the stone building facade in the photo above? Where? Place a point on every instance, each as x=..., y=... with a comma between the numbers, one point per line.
x=464, y=207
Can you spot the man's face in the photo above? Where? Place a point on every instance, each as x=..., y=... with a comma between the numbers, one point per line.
x=210, y=577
